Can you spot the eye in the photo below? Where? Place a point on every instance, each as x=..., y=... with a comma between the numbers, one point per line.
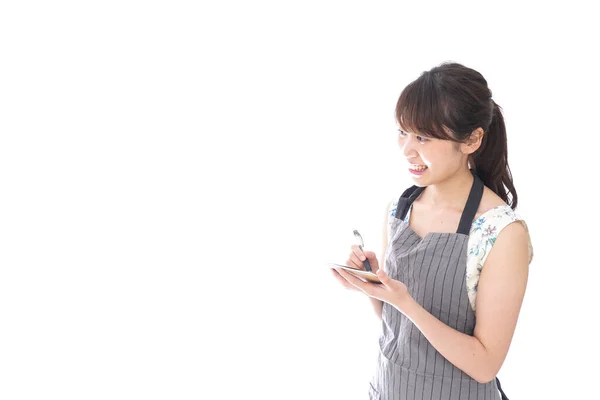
x=421, y=139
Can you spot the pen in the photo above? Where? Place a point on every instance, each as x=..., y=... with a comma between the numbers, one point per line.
x=361, y=245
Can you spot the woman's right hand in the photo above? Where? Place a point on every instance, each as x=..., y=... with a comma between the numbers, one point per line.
x=355, y=260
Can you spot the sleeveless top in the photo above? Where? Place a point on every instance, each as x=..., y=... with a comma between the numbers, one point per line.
x=482, y=236
x=434, y=270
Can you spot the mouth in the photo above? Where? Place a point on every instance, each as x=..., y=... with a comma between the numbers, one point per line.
x=417, y=169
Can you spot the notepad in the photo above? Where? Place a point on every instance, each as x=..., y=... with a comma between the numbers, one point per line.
x=369, y=276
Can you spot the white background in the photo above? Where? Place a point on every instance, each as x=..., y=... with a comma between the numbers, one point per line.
x=174, y=177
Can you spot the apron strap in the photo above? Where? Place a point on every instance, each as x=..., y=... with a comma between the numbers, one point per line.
x=500, y=389
x=468, y=215
x=406, y=200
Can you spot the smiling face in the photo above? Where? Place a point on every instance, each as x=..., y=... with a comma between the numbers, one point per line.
x=430, y=160
x=442, y=116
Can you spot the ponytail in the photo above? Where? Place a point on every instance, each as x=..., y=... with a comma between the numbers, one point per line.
x=449, y=102
x=491, y=159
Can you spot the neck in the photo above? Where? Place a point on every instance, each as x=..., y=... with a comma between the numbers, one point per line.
x=451, y=193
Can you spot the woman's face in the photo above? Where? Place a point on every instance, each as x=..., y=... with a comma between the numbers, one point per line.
x=430, y=160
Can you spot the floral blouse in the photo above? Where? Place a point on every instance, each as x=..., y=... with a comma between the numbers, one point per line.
x=484, y=232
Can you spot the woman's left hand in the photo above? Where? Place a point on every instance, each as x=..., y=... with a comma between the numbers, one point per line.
x=391, y=291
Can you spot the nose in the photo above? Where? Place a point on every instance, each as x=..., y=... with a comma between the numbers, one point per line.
x=407, y=145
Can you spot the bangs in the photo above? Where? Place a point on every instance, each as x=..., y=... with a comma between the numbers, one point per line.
x=420, y=110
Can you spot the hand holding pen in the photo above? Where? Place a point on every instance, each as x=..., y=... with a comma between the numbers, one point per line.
x=366, y=262
x=359, y=259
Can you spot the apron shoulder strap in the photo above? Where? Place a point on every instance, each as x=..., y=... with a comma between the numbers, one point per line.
x=406, y=200
x=472, y=205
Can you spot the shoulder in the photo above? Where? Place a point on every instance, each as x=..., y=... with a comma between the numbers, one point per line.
x=497, y=224
x=499, y=239
x=489, y=202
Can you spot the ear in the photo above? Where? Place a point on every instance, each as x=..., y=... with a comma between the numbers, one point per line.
x=473, y=142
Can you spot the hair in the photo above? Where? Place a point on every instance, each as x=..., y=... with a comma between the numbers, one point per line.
x=449, y=102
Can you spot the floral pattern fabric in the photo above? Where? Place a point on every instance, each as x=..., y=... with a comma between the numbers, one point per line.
x=484, y=232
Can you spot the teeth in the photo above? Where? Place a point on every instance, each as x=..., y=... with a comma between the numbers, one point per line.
x=418, y=167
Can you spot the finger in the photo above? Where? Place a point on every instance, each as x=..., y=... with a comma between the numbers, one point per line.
x=384, y=278
x=358, y=257
x=351, y=279
x=354, y=262
x=358, y=253
x=340, y=279
x=372, y=257
x=361, y=285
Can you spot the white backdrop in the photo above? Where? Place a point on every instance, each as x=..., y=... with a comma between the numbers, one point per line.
x=174, y=177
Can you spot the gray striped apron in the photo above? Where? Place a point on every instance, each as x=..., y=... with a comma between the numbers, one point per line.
x=433, y=268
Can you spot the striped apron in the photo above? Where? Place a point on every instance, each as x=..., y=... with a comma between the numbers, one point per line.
x=433, y=268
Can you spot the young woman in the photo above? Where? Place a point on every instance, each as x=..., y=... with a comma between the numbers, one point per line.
x=456, y=255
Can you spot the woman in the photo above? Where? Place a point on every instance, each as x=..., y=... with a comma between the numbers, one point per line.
x=456, y=265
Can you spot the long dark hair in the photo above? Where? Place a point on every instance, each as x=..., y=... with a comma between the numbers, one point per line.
x=449, y=102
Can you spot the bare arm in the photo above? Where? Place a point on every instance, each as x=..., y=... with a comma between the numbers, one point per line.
x=500, y=294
